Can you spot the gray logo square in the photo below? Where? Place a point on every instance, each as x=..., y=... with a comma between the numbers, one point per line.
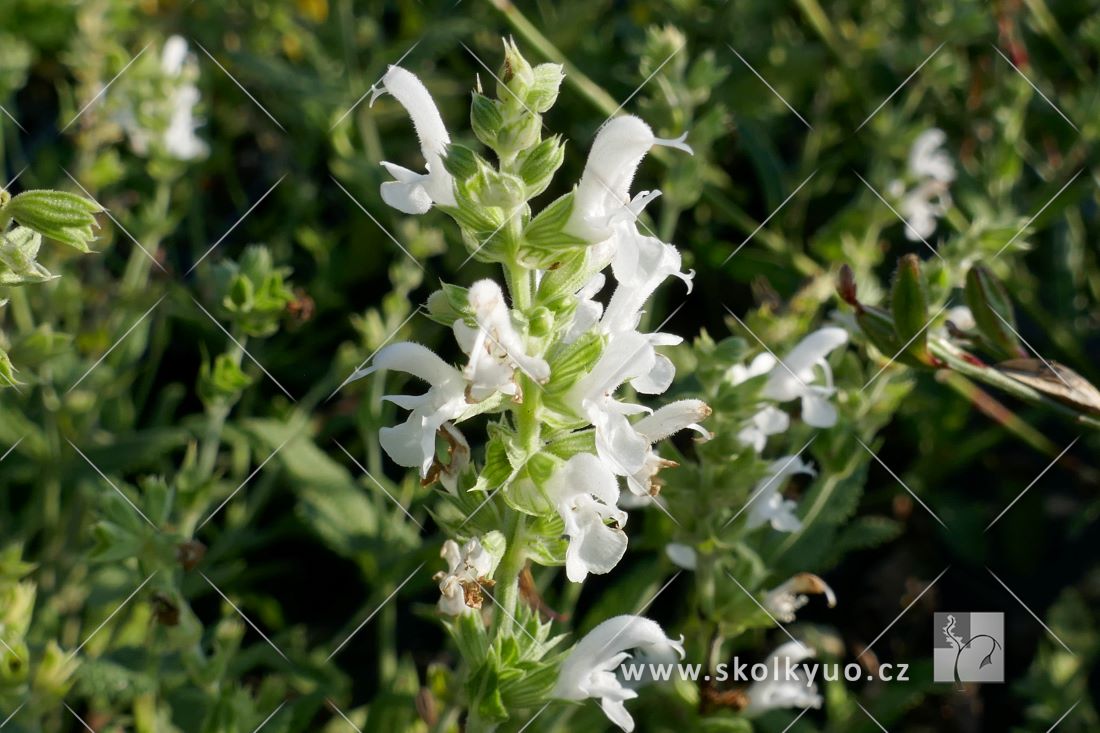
x=968, y=647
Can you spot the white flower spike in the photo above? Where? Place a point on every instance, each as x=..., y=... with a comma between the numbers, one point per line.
x=468, y=569
x=589, y=670
x=412, y=192
x=796, y=692
x=586, y=494
x=769, y=506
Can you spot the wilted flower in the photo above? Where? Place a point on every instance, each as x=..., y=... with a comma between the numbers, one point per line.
x=777, y=692
x=468, y=569
x=586, y=495
x=784, y=600
x=589, y=670
x=769, y=506
x=412, y=192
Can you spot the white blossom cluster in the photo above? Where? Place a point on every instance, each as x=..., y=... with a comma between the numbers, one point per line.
x=162, y=118
x=585, y=488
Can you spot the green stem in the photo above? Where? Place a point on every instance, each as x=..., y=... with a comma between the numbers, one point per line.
x=511, y=565
x=217, y=415
x=953, y=357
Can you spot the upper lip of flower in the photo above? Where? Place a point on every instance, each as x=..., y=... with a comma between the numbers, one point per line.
x=412, y=192
x=604, y=188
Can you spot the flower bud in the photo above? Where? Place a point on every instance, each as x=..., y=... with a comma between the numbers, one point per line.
x=519, y=132
x=486, y=120
x=544, y=88
x=64, y=217
x=18, y=250
x=14, y=663
x=54, y=675
x=461, y=162
x=222, y=383
x=516, y=75
x=992, y=310
x=846, y=286
x=16, y=607
x=909, y=303
x=538, y=165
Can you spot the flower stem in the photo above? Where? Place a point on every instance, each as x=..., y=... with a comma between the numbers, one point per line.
x=216, y=417
x=511, y=565
x=953, y=357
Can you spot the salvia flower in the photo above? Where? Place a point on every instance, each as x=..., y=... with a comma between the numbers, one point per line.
x=586, y=495
x=770, y=506
x=603, y=194
x=495, y=347
x=468, y=569
x=784, y=600
x=412, y=443
x=412, y=192
x=682, y=556
x=796, y=376
x=779, y=691
x=589, y=670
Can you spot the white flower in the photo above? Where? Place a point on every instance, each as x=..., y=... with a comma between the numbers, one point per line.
x=962, y=317
x=640, y=264
x=589, y=670
x=171, y=120
x=180, y=140
x=795, y=376
x=412, y=192
x=412, y=443
x=666, y=421
x=773, y=693
x=627, y=356
x=681, y=555
x=495, y=347
x=588, y=311
x=767, y=421
x=928, y=200
x=467, y=570
x=928, y=160
x=603, y=194
x=760, y=365
x=769, y=506
x=784, y=600
x=586, y=493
